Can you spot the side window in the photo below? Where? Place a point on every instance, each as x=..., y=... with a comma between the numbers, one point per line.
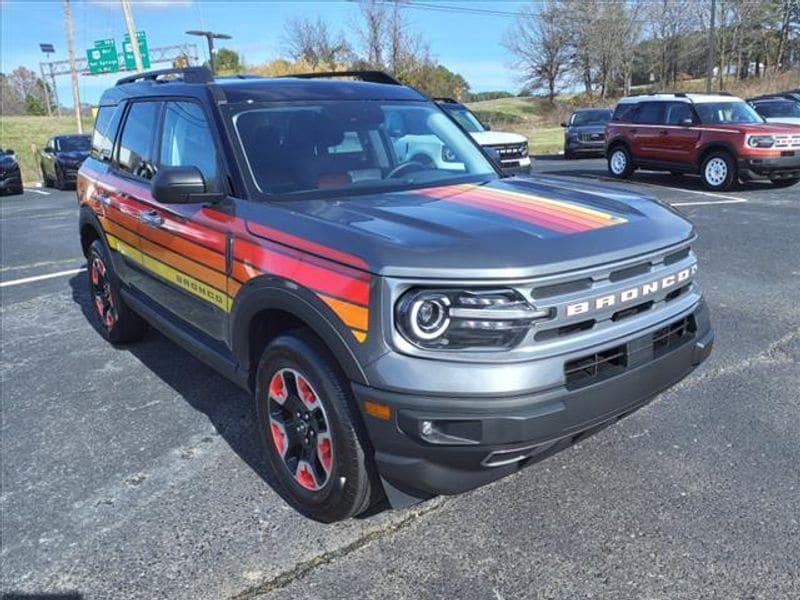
x=677, y=112
x=186, y=140
x=105, y=130
x=136, y=144
x=650, y=113
x=624, y=112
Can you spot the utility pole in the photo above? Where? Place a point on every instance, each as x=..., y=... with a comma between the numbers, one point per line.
x=210, y=37
x=76, y=98
x=712, y=46
x=137, y=55
x=48, y=49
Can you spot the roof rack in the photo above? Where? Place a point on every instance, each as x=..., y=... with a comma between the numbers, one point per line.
x=187, y=74
x=369, y=76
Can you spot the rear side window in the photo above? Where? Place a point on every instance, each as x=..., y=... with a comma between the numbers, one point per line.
x=677, y=112
x=136, y=143
x=106, y=124
x=186, y=140
x=624, y=112
x=650, y=113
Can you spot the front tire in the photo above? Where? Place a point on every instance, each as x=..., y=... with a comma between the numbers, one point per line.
x=116, y=322
x=311, y=431
x=620, y=164
x=718, y=171
x=784, y=183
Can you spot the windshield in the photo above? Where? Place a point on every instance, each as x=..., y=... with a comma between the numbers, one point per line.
x=591, y=117
x=464, y=117
x=77, y=143
x=726, y=113
x=354, y=145
x=771, y=110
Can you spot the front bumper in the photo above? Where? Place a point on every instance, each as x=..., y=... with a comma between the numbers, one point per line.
x=579, y=147
x=473, y=440
x=521, y=166
x=11, y=180
x=778, y=167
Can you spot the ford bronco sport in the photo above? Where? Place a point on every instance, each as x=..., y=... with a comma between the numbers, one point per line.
x=404, y=329
x=720, y=137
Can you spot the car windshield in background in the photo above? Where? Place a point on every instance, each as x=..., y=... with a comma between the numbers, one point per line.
x=772, y=110
x=78, y=143
x=591, y=117
x=465, y=118
x=354, y=145
x=726, y=113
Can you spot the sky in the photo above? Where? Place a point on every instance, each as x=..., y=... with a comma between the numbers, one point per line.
x=465, y=41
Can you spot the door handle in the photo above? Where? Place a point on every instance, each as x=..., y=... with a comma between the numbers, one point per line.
x=151, y=218
x=663, y=132
x=102, y=198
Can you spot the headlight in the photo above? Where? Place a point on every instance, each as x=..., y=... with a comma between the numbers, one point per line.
x=761, y=141
x=448, y=155
x=460, y=319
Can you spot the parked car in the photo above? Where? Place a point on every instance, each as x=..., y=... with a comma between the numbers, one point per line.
x=718, y=136
x=585, y=132
x=511, y=148
x=778, y=109
x=10, y=177
x=61, y=158
x=404, y=329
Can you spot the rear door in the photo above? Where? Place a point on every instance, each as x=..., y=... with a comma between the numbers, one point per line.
x=647, y=132
x=681, y=139
x=184, y=245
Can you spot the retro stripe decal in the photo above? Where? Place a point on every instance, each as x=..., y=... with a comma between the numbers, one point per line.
x=558, y=216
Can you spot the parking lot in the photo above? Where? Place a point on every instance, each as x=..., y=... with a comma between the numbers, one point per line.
x=135, y=471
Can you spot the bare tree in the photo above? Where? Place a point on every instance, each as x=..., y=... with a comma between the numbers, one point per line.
x=373, y=31
x=311, y=42
x=539, y=41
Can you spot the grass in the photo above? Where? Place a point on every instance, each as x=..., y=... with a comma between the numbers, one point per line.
x=19, y=133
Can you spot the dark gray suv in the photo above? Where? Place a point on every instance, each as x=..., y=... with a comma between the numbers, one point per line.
x=584, y=132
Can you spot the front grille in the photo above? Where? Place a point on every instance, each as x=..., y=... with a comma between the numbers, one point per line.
x=591, y=137
x=596, y=367
x=787, y=140
x=672, y=336
x=511, y=151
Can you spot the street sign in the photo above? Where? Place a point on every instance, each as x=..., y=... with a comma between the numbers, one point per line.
x=130, y=61
x=103, y=57
x=47, y=48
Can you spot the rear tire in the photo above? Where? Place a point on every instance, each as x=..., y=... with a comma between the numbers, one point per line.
x=620, y=164
x=46, y=181
x=60, y=185
x=322, y=459
x=784, y=183
x=569, y=155
x=116, y=322
x=718, y=171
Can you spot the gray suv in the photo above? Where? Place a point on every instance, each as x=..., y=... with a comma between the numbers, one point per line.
x=405, y=329
x=584, y=132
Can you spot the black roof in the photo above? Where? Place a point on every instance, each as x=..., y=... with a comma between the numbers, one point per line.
x=782, y=97
x=198, y=82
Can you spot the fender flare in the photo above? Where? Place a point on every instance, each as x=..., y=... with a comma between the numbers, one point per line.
x=619, y=141
x=713, y=145
x=88, y=218
x=270, y=293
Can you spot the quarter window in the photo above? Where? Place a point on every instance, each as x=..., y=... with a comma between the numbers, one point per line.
x=186, y=140
x=136, y=144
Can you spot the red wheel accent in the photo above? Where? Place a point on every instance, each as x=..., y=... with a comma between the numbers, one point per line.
x=305, y=477
x=306, y=394
x=278, y=437
x=324, y=452
x=277, y=388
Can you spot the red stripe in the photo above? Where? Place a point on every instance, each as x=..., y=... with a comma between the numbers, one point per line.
x=306, y=274
x=563, y=211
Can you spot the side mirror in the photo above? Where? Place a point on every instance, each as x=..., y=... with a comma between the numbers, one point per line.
x=687, y=122
x=563, y=123
x=486, y=126
x=178, y=185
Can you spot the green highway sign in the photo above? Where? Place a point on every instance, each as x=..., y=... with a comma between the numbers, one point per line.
x=130, y=61
x=103, y=57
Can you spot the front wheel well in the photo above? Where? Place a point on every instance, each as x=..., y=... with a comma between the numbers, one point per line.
x=88, y=235
x=713, y=148
x=615, y=144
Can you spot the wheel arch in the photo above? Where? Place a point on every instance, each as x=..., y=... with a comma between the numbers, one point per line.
x=90, y=229
x=714, y=146
x=267, y=307
x=618, y=141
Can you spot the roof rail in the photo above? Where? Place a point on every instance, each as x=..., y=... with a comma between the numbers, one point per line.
x=370, y=76
x=445, y=99
x=187, y=74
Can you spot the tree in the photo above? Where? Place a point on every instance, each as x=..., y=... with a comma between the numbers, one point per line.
x=311, y=42
x=227, y=61
x=539, y=40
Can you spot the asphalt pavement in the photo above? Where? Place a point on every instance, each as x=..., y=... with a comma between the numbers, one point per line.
x=134, y=472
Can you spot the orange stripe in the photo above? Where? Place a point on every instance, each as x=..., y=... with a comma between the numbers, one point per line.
x=186, y=248
x=233, y=287
x=126, y=235
x=351, y=314
x=199, y=272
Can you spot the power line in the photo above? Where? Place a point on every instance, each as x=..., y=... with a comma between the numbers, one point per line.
x=454, y=8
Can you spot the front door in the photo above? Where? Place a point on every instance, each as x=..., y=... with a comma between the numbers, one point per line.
x=681, y=138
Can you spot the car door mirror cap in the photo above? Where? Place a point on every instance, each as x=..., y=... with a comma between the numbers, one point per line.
x=687, y=122
x=180, y=185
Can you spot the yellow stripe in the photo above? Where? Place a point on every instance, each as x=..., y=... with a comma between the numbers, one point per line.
x=190, y=284
x=561, y=204
x=361, y=336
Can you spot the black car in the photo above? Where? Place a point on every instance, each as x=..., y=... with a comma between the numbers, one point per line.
x=10, y=178
x=61, y=158
x=783, y=108
x=584, y=132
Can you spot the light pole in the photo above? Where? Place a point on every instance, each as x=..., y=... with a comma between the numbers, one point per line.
x=210, y=37
x=76, y=97
x=129, y=24
x=48, y=50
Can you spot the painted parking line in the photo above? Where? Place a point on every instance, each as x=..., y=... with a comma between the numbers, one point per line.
x=41, y=277
x=709, y=202
x=35, y=191
x=701, y=193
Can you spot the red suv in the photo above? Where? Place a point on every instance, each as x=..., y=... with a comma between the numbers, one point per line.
x=720, y=137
